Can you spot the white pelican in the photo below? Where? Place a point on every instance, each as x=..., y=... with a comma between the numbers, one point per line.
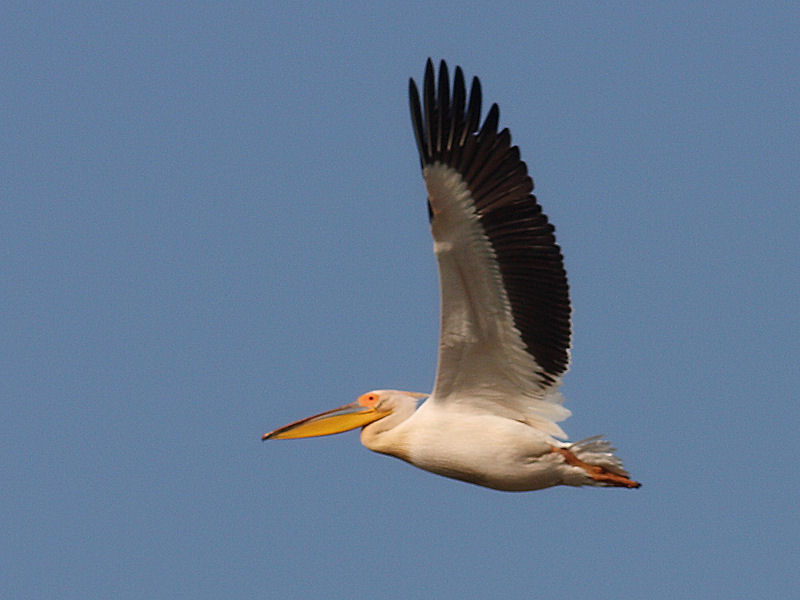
x=492, y=417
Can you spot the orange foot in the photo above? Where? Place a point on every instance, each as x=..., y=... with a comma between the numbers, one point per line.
x=596, y=472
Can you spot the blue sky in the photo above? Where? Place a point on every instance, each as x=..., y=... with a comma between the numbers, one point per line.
x=213, y=223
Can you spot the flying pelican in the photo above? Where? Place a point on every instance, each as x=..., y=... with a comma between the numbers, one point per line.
x=505, y=333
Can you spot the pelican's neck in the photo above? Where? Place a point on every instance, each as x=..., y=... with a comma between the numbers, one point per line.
x=388, y=435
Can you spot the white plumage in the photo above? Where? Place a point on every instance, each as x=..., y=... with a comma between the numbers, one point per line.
x=492, y=418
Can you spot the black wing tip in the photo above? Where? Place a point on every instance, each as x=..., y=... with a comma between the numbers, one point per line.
x=443, y=117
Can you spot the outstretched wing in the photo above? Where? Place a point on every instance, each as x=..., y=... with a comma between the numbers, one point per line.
x=505, y=322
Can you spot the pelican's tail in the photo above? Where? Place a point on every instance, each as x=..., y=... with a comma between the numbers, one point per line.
x=596, y=457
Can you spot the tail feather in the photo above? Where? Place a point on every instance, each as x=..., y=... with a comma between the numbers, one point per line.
x=598, y=451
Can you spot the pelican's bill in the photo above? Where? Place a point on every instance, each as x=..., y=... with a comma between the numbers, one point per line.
x=333, y=421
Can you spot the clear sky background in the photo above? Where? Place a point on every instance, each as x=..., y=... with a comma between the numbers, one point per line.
x=212, y=222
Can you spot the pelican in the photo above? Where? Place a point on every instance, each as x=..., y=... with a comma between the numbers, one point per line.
x=492, y=418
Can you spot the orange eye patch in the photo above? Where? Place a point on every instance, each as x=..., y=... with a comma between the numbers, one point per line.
x=370, y=400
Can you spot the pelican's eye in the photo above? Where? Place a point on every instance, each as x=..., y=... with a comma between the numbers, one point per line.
x=371, y=400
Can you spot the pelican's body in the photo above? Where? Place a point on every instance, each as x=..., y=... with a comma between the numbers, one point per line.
x=481, y=448
x=492, y=417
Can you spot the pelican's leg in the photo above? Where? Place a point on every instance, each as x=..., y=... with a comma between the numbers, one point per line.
x=599, y=474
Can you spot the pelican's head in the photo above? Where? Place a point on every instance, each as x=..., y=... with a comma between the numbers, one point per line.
x=369, y=407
